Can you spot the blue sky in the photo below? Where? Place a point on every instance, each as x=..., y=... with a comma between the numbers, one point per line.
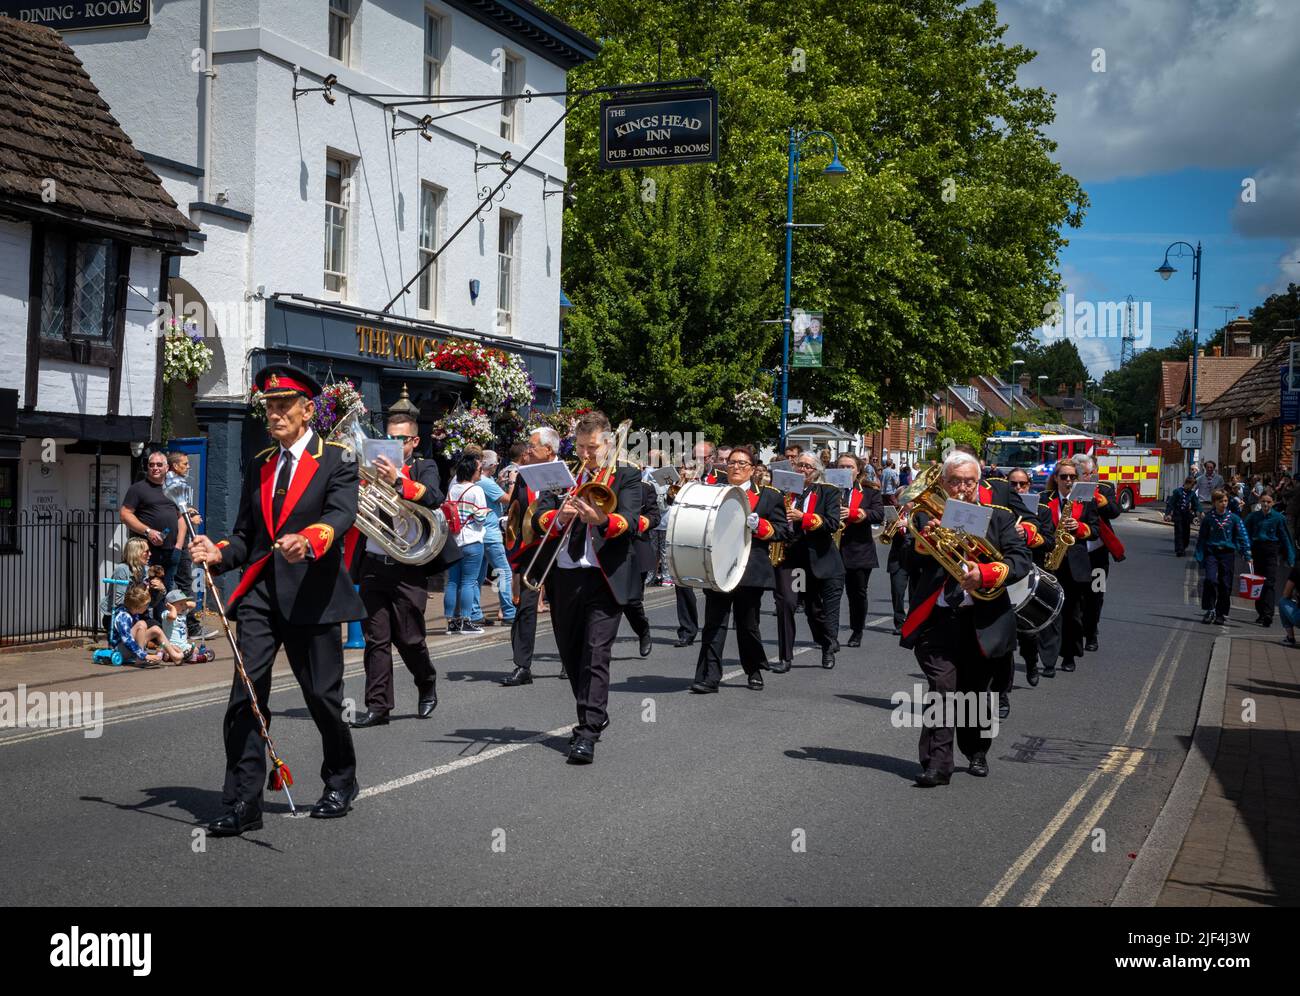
x=1163, y=108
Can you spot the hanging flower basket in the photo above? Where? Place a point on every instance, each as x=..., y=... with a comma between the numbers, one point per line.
x=501, y=380
x=457, y=429
x=186, y=357
x=335, y=400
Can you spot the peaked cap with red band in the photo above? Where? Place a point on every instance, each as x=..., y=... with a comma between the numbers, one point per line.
x=280, y=380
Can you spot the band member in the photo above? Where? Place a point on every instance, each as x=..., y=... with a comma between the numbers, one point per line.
x=1100, y=550
x=395, y=595
x=643, y=545
x=1039, y=534
x=1181, y=508
x=298, y=497
x=543, y=446
x=1270, y=541
x=1064, y=637
x=766, y=524
x=858, y=544
x=595, y=575
x=812, y=549
x=898, y=585
x=688, y=613
x=956, y=636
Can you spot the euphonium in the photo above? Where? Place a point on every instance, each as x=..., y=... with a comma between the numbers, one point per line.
x=407, y=532
x=952, y=549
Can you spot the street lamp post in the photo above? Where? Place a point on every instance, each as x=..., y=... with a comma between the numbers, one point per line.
x=1011, y=384
x=835, y=170
x=1166, y=271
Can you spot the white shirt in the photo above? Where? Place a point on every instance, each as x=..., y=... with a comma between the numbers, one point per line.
x=297, y=450
x=472, y=504
x=588, y=558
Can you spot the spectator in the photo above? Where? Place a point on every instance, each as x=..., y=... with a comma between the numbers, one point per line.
x=1207, y=482
x=460, y=599
x=177, y=486
x=132, y=631
x=905, y=475
x=135, y=561
x=494, y=548
x=148, y=512
x=793, y=450
x=889, y=482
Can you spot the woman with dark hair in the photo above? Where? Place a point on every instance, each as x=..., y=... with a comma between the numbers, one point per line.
x=460, y=599
x=864, y=509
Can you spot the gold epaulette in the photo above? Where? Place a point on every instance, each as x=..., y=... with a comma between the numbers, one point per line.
x=342, y=446
x=768, y=487
x=1003, y=507
x=266, y=452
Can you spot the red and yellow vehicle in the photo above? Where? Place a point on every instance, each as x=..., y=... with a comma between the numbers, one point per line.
x=1134, y=471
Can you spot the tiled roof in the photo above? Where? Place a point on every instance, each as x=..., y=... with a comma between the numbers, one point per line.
x=1215, y=374
x=1173, y=375
x=1258, y=392
x=54, y=126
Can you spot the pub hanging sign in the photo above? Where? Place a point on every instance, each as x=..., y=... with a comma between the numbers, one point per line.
x=660, y=129
x=78, y=15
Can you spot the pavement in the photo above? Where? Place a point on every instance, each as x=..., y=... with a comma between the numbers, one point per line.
x=801, y=794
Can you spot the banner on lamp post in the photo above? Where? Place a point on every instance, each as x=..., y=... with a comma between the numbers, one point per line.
x=806, y=339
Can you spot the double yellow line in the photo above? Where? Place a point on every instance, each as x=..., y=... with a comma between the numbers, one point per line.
x=1110, y=776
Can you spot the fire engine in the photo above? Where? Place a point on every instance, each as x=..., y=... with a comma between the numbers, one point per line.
x=1134, y=471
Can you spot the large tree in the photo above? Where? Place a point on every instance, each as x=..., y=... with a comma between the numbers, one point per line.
x=939, y=247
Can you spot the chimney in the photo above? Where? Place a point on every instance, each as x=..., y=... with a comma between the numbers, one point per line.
x=1218, y=351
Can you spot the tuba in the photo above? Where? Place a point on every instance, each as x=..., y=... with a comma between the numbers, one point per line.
x=409, y=533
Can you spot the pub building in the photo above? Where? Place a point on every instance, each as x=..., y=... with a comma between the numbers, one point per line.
x=320, y=183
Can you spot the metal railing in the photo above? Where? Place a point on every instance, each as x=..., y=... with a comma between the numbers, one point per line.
x=51, y=566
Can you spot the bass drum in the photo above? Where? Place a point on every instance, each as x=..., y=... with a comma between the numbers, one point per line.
x=707, y=538
x=1038, y=598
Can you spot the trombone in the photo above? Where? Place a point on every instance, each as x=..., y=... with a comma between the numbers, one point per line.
x=597, y=492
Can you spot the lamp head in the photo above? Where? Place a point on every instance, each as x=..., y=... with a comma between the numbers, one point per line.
x=836, y=170
x=1165, y=270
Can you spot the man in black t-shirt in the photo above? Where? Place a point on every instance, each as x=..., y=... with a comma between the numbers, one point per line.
x=148, y=512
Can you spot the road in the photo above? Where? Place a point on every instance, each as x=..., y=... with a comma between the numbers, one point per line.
x=798, y=795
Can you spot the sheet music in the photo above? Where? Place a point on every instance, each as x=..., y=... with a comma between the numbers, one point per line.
x=665, y=475
x=1030, y=498
x=785, y=480
x=1083, y=491
x=544, y=477
x=390, y=449
x=967, y=517
x=840, y=478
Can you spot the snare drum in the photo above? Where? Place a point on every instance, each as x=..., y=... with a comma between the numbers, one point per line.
x=1038, y=598
x=707, y=539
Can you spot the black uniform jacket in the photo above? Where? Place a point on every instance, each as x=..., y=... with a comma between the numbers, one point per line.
x=1077, y=565
x=995, y=619
x=1040, y=532
x=321, y=506
x=812, y=546
x=857, y=544
x=769, y=505
x=642, y=544
x=1108, y=511
x=613, y=544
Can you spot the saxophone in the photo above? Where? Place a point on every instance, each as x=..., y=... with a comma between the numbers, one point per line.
x=776, y=549
x=1064, y=541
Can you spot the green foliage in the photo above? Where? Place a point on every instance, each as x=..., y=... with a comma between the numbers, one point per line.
x=957, y=432
x=1060, y=362
x=919, y=288
x=1276, y=317
x=1135, y=389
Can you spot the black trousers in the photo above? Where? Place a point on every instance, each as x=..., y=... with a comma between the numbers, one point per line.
x=1220, y=574
x=395, y=598
x=785, y=601
x=634, y=611
x=856, y=580
x=1182, y=534
x=744, y=604
x=523, y=630
x=951, y=659
x=585, y=618
x=821, y=605
x=1028, y=647
x=1095, y=592
x=316, y=656
x=898, y=595
x=1266, y=563
x=688, y=614
x=1064, y=637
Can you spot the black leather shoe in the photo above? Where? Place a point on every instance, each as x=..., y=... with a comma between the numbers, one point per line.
x=368, y=719
x=1004, y=705
x=428, y=703
x=582, y=752
x=703, y=688
x=979, y=765
x=646, y=645
x=1049, y=671
x=573, y=735
x=1067, y=664
x=564, y=675
x=930, y=777
x=828, y=658
x=1209, y=615
x=519, y=676
x=1091, y=646
x=1031, y=673
x=855, y=638
x=780, y=667
x=684, y=643
x=756, y=682
x=335, y=803
x=242, y=816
